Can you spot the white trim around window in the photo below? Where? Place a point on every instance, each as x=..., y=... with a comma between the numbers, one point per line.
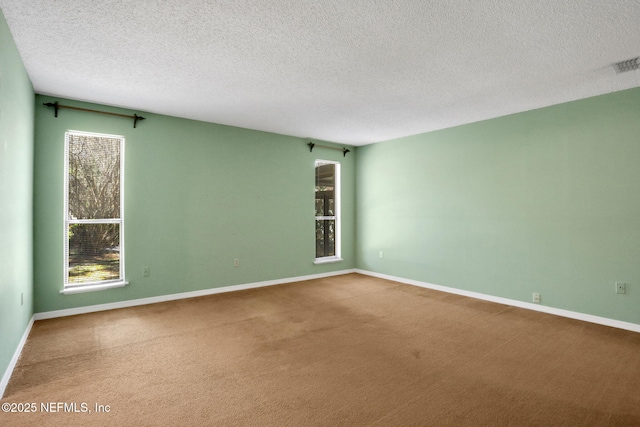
x=93, y=212
x=328, y=213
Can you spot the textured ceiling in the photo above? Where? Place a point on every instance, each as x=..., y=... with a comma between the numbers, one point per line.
x=355, y=72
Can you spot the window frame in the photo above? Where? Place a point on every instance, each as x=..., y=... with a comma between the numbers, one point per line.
x=337, y=257
x=72, y=288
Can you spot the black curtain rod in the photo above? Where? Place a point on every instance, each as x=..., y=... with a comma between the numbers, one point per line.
x=344, y=150
x=136, y=118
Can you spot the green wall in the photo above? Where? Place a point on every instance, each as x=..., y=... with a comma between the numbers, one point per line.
x=16, y=197
x=544, y=201
x=197, y=195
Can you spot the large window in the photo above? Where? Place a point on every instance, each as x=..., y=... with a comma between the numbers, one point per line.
x=327, y=211
x=93, y=211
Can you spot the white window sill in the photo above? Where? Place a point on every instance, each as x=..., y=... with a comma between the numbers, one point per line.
x=92, y=288
x=327, y=260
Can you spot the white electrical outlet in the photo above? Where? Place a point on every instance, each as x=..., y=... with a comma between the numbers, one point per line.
x=381, y=254
x=536, y=298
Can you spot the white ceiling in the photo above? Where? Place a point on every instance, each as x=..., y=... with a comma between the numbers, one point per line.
x=354, y=72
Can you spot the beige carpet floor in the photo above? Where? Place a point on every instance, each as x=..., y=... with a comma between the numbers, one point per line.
x=347, y=350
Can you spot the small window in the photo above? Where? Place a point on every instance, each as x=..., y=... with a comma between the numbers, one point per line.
x=93, y=211
x=327, y=194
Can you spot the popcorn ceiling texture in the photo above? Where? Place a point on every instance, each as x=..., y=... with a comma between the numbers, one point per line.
x=354, y=72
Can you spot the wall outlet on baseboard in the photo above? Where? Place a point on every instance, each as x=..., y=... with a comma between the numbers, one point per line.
x=621, y=288
x=536, y=298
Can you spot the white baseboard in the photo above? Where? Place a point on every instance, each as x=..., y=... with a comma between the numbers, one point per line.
x=183, y=295
x=14, y=360
x=515, y=303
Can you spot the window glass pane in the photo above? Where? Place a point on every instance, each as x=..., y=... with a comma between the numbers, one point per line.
x=330, y=206
x=94, y=177
x=325, y=238
x=325, y=190
x=319, y=204
x=94, y=252
x=325, y=204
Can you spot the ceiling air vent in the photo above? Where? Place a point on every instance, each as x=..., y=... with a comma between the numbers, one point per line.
x=628, y=65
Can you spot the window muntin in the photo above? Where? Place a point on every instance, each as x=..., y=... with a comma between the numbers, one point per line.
x=327, y=210
x=93, y=209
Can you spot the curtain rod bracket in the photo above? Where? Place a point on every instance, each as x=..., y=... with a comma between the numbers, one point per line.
x=136, y=118
x=54, y=105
